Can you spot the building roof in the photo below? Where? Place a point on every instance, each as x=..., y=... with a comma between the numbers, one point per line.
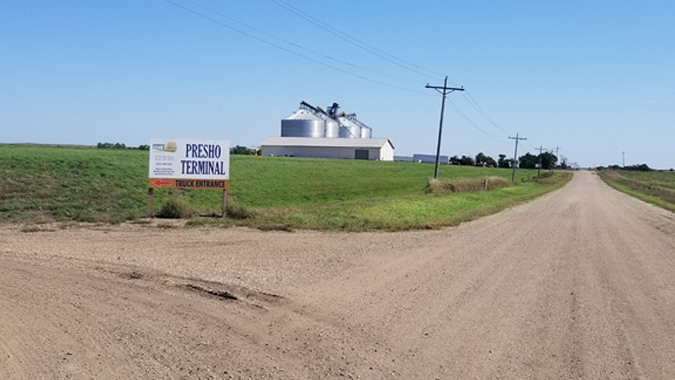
x=326, y=142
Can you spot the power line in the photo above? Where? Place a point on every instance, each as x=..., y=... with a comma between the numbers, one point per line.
x=288, y=50
x=294, y=44
x=480, y=110
x=463, y=115
x=532, y=146
x=354, y=41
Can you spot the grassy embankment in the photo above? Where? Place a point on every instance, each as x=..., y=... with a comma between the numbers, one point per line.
x=44, y=184
x=654, y=187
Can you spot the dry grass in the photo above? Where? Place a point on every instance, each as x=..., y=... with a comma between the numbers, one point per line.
x=552, y=177
x=647, y=188
x=463, y=185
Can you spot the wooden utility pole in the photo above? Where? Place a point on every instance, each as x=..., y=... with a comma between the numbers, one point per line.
x=515, y=156
x=557, y=148
x=540, y=151
x=445, y=92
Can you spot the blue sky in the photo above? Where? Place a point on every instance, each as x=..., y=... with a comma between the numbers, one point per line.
x=595, y=78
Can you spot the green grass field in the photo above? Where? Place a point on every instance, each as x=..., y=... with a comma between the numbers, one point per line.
x=43, y=184
x=654, y=187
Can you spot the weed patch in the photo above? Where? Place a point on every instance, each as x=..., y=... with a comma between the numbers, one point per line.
x=239, y=212
x=176, y=208
x=462, y=185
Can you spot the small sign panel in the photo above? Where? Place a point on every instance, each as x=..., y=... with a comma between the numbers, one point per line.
x=189, y=164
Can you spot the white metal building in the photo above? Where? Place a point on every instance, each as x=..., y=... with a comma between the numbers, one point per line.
x=360, y=149
x=430, y=158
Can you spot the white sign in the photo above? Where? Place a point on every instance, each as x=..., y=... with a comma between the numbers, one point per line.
x=189, y=163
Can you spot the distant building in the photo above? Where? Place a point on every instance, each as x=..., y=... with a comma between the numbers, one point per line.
x=314, y=132
x=403, y=158
x=322, y=147
x=430, y=158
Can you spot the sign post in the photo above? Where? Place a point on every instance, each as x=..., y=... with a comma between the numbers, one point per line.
x=224, y=214
x=150, y=200
x=189, y=164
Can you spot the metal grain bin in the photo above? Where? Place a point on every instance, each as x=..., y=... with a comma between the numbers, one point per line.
x=332, y=128
x=303, y=123
x=348, y=129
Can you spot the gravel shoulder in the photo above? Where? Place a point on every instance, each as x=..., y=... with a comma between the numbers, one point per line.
x=576, y=284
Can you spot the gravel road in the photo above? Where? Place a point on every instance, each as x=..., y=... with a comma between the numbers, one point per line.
x=579, y=284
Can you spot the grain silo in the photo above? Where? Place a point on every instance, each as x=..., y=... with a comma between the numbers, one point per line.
x=303, y=123
x=315, y=122
x=365, y=132
x=332, y=128
x=349, y=129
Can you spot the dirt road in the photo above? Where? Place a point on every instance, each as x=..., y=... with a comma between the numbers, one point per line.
x=579, y=284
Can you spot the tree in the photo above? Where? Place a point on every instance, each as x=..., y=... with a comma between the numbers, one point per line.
x=638, y=168
x=483, y=160
x=240, y=149
x=563, y=163
x=480, y=159
x=548, y=160
x=504, y=162
x=467, y=160
x=111, y=146
x=528, y=161
x=454, y=160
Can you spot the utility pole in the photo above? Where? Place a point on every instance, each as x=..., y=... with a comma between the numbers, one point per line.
x=556, y=152
x=515, y=155
x=623, y=156
x=540, y=152
x=445, y=92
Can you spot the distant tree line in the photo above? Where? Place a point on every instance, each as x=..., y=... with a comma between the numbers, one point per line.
x=526, y=161
x=108, y=145
x=633, y=168
x=240, y=149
